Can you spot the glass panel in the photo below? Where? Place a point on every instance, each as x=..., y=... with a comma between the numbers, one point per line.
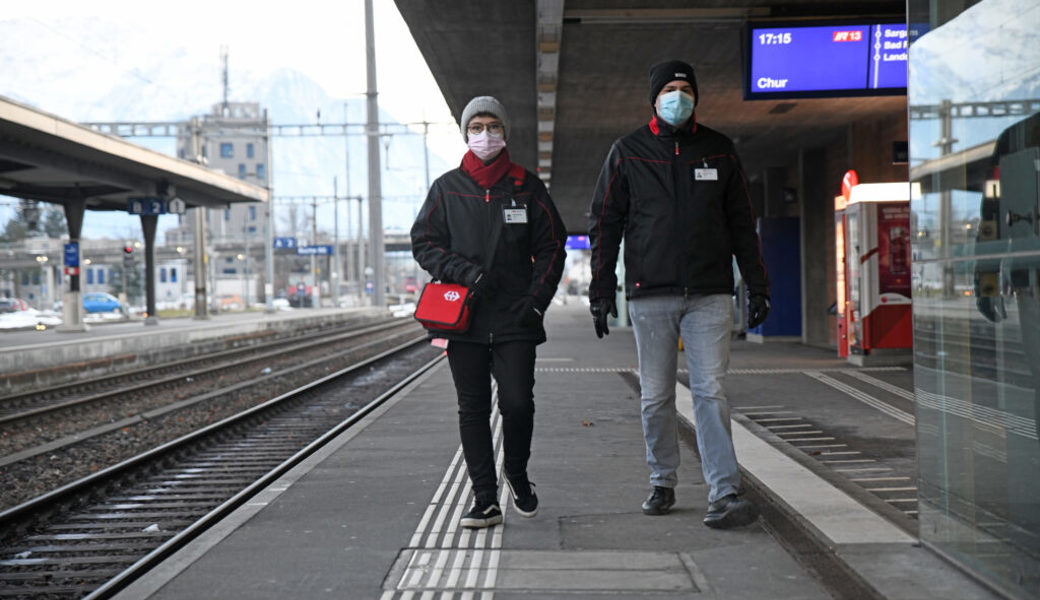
x=975, y=151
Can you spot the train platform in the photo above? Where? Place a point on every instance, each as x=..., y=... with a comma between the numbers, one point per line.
x=375, y=513
x=41, y=358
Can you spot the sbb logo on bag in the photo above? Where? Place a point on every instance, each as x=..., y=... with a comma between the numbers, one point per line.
x=452, y=296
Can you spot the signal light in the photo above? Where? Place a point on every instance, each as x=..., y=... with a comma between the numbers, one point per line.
x=128, y=250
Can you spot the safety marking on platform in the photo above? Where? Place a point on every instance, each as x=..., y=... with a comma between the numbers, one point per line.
x=815, y=439
x=883, y=385
x=836, y=456
x=804, y=371
x=863, y=397
x=848, y=461
x=586, y=370
x=439, y=540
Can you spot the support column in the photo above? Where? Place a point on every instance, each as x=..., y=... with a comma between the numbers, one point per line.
x=200, y=264
x=72, y=299
x=268, y=222
x=148, y=226
x=818, y=268
x=377, y=250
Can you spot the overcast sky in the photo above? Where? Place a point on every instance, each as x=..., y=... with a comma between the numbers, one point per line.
x=323, y=39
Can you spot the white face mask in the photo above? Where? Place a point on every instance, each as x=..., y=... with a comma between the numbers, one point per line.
x=486, y=145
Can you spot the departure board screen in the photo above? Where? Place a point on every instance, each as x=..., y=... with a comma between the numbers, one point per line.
x=801, y=61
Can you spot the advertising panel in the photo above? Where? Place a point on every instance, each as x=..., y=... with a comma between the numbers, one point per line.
x=894, y=249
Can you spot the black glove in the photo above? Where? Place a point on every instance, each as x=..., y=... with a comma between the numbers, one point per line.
x=757, y=310
x=600, y=308
x=482, y=284
x=527, y=313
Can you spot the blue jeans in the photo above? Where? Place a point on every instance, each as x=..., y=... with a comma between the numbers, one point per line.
x=704, y=322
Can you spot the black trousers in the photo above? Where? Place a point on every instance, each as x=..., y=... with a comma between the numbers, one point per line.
x=512, y=365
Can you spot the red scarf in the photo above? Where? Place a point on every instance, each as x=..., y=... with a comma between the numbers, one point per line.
x=486, y=175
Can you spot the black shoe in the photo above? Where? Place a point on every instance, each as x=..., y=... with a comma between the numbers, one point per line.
x=659, y=502
x=731, y=511
x=484, y=513
x=524, y=500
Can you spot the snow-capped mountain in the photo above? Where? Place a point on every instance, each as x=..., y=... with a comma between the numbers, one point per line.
x=77, y=68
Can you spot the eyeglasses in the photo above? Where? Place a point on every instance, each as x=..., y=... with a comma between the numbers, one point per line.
x=493, y=128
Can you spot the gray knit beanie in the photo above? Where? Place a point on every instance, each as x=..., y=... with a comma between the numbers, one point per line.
x=483, y=104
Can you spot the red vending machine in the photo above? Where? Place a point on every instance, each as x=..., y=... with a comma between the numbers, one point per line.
x=872, y=251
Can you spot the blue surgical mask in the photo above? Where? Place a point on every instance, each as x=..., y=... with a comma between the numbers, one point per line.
x=675, y=107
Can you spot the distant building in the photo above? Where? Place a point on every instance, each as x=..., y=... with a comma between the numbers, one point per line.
x=232, y=139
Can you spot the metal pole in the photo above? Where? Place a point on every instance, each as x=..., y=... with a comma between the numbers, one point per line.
x=245, y=298
x=362, y=277
x=346, y=141
x=315, y=285
x=375, y=200
x=334, y=278
x=200, y=235
x=268, y=222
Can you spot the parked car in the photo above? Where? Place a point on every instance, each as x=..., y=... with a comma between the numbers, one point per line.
x=100, y=302
x=10, y=305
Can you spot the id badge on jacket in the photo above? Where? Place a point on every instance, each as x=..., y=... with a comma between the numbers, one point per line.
x=514, y=215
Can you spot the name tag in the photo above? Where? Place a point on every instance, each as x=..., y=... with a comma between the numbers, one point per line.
x=706, y=174
x=515, y=215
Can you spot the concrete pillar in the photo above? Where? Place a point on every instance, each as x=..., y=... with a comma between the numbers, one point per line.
x=148, y=226
x=200, y=263
x=817, y=246
x=72, y=299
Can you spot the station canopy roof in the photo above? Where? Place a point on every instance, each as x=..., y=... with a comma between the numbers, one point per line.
x=47, y=158
x=573, y=76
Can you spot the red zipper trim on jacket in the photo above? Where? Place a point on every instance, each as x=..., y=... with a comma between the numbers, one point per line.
x=487, y=196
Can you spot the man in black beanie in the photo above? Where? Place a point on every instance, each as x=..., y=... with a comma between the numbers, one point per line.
x=675, y=191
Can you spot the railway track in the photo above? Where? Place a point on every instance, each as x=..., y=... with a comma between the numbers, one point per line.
x=41, y=401
x=95, y=535
x=42, y=452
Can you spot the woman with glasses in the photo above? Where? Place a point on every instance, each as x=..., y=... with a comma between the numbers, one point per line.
x=490, y=225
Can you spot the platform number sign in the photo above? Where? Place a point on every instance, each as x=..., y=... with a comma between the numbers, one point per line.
x=147, y=205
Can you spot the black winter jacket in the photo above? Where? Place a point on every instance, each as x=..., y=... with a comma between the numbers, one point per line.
x=680, y=200
x=451, y=238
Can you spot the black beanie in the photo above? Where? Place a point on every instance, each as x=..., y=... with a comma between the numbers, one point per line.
x=662, y=74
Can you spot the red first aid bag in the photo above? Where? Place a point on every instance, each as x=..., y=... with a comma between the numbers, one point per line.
x=444, y=307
